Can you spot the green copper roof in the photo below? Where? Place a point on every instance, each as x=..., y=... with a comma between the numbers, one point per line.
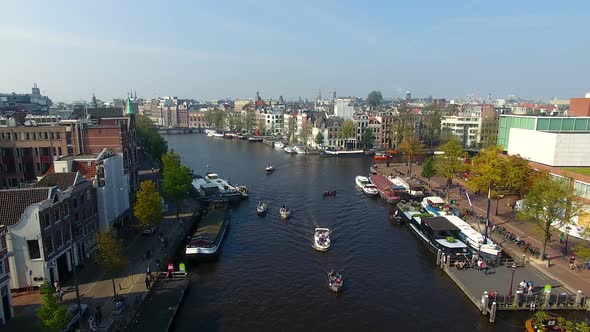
x=129, y=108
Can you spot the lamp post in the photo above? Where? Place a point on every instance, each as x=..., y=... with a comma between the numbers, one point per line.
x=511, y=279
x=75, y=277
x=567, y=235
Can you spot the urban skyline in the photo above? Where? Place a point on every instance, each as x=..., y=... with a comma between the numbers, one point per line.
x=209, y=50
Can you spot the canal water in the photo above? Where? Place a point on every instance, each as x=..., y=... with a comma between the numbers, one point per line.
x=268, y=276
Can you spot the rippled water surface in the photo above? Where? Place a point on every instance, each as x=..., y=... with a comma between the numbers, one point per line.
x=268, y=276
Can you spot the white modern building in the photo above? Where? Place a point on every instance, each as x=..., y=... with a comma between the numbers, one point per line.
x=343, y=108
x=466, y=128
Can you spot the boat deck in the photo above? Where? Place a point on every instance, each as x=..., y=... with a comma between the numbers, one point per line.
x=210, y=224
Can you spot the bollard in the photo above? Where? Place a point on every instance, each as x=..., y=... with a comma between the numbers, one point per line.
x=547, y=298
x=484, y=303
x=578, y=298
x=516, y=299
x=438, y=254
x=448, y=262
x=493, y=313
x=523, y=259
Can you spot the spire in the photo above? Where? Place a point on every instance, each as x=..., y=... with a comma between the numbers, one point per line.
x=129, y=108
x=135, y=97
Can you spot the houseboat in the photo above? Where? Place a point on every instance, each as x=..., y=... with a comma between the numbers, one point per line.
x=207, y=239
x=439, y=233
x=386, y=188
x=341, y=153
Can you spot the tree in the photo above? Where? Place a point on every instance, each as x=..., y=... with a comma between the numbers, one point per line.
x=249, y=121
x=446, y=136
x=148, y=207
x=319, y=138
x=431, y=121
x=177, y=179
x=450, y=163
x=210, y=117
x=488, y=173
x=53, y=315
x=238, y=121
x=367, y=138
x=517, y=177
x=411, y=147
x=149, y=138
x=374, y=98
x=582, y=252
x=219, y=119
x=547, y=202
x=110, y=255
x=291, y=129
x=428, y=169
x=347, y=130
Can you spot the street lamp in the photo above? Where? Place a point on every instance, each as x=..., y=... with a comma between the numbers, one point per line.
x=75, y=277
x=567, y=235
x=511, y=279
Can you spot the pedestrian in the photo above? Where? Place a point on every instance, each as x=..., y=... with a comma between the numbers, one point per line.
x=561, y=236
x=169, y=275
x=147, y=282
x=91, y=324
x=56, y=285
x=60, y=295
x=530, y=290
x=484, y=268
x=98, y=314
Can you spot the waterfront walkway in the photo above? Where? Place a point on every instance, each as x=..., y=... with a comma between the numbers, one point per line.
x=559, y=267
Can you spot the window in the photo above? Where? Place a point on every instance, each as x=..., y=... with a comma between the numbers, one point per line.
x=27, y=136
x=6, y=266
x=74, y=202
x=52, y=135
x=67, y=235
x=1, y=267
x=56, y=216
x=57, y=135
x=34, y=252
x=66, y=208
x=88, y=197
x=49, y=244
x=59, y=239
x=34, y=135
x=59, y=151
x=45, y=136
x=82, y=201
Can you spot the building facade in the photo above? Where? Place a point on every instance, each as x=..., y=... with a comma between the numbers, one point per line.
x=6, y=310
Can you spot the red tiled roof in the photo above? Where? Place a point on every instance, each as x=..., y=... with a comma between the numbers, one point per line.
x=89, y=172
x=13, y=202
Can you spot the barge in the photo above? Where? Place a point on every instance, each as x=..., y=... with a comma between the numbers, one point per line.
x=386, y=188
x=207, y=239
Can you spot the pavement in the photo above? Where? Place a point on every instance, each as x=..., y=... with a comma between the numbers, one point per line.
x=558, y=268
x=96, y=285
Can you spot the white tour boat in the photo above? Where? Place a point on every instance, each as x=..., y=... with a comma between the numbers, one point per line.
x=279, y=145
x=335, y=281
x=321, y=239
x=365, y=184
x=269, y=168
x=300, y=149
x=474, y=239
x=261, y=208
x=289, y=149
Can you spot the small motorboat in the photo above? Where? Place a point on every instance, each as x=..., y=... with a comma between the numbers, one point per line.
x=243, y=190
x=335, y=281
x=321, y=239
x=396, y=217
x=279, y=145
x=269, y=168
x=289, y=149
x=370, y=189
x=329, y=193
x=261, y=208
x=285, y=212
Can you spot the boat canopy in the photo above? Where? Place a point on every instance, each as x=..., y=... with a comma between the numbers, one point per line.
x=434, y=200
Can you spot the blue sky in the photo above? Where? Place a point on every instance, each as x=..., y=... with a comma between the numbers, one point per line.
x=215, y=49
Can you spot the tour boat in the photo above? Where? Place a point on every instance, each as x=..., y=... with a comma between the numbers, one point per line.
x=329, y=193
x=380, y=156
x=474, y=239
x=335, y=281
x=209, y=132
x=206, y=240
x=412, y=188
x=269, y=168
x=254, y=139
x=261, y=208
x=218, y=135
x=386, y=188
x=243, y=190
x=279, y=145
x=321, y=239
x=370, y=190
x=289, y=149
x=338, y=153
x=284, y=213
x=300, y=149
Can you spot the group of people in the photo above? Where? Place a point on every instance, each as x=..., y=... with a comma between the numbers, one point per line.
x=323, y=238
x=526, y=286
x=482, y=266
x=335, y=278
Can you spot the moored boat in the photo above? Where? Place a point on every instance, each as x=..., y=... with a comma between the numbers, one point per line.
x=438, y=233
x=380, y=156
x=243, y=190
x=289, y=149
x=279, y=145
x=254, y=139
x=261, y=208
x=361, y=181
x=385, y=188
x=343, y=152
x=218, y=135
x=284, y=212
x=370, y=190
x=225, y=189
x=300, y=149
x=335, y=281
x=474, y=239
x=321, y=239
x=207, y=239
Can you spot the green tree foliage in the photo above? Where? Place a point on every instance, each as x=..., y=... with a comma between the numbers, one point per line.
x=319, y=138
x=238, y=122
x=374, y=98
x=291, y=129
x=540, y=317
x=110, y=255
x=547, y=202
x=518, y=175
x=411, y=147
x=210, y=118
x=488, y=171
x=450, y=163
x=219, y=120
x=53, y=315
x=249, y=120
x=347, y=130
x=446, y=136
x=431, y=120
x=429, y=169
x=177, y=179
x=148, y=207
x=582, y=252
x=149, y=138
x=367, y=138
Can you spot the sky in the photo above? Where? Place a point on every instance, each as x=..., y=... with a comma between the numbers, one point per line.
x=216, y=49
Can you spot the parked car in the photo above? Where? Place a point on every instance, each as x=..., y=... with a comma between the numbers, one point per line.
x=76, y=316
x=150, y=230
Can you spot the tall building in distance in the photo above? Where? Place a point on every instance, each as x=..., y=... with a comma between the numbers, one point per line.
x=408, y=96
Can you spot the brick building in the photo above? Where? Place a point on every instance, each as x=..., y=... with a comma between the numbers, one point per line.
x=580, y=106
x=196, y=119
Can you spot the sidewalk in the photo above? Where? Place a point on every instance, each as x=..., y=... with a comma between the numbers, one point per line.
x=559, y=269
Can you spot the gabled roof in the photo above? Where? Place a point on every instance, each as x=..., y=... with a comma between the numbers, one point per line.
x=61, y=180
x=13, y=202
